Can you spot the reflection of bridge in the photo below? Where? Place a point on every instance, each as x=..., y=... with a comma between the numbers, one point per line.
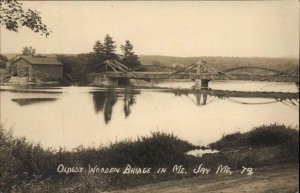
x=291, y=99
x=202, y=73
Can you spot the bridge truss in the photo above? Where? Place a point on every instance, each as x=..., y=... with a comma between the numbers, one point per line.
x=203, y=71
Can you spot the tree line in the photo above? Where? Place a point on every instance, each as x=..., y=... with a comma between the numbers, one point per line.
x=80, y=65
x=107, y=51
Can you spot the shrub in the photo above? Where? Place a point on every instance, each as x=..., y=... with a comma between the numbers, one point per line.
x=159, y=149
x=230, y=141
x=262, y=136
x=24, y=164
x=274, y=134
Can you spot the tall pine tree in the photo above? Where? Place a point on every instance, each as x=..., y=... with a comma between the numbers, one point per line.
x=109, y=48
x=103, y=52
x=98, y=57
x=99, y=50
x=130, y=59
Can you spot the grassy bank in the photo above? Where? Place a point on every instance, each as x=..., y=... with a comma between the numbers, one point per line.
x=27, y=167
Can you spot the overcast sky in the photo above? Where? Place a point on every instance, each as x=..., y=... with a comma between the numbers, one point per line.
x=217, y=28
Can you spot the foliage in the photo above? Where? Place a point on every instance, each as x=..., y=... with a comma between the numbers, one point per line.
x=156, y=63
x=23, y=164
x=3, y=60
x=75, y=67
x=130, y=59
x=109, y=48
x=19, y=160
x=27, y=167
x=28, y=51
x=158, y=150
x=99, y=52
x=13, y=16
x=262, y=136
x=274, y=134
x=103, y=52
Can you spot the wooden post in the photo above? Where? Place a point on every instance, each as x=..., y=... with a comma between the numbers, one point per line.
x=204, y=97
x=204, y=83
x=198, y=83
x=198, y=98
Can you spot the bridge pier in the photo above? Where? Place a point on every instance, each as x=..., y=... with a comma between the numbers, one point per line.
x=119, y=81
x=113, y=81
x=201, y=84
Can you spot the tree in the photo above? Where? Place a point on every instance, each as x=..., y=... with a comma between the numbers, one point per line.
x=103, y=52
x=98, y=57
x=109, y=48
x=74, y=67
x=13, y=16
x=28, y=51
x=130, y=59
x=3, y=60
x=99, y=50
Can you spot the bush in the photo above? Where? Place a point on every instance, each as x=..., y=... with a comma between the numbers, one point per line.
x=230, y=141
x=262, y=136
x=23, y=164
x=159, y=149
x=274, y=134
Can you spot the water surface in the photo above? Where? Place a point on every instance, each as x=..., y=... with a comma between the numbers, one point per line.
x=90, y=116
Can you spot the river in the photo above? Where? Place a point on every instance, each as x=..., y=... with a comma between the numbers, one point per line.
x=91, y=116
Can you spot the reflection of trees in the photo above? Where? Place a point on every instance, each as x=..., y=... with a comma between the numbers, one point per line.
x=104, y=101
x=128, y=101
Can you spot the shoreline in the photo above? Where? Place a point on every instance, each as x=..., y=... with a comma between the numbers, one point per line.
x=158, y=161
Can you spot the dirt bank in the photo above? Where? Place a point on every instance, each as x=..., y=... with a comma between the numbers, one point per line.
x=281, y=178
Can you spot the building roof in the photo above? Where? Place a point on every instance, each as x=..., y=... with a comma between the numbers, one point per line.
x=39, y=60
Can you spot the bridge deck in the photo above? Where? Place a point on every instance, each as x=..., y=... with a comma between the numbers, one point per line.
x=193, y=76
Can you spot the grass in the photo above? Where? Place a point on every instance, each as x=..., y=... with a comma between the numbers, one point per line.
x=28, y=167
x=23, y=163
x=262, y=136
x=263, y=145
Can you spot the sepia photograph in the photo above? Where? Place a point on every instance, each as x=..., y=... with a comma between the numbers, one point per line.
x=149, y=96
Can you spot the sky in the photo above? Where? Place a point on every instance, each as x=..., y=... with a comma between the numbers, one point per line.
x=171, y=28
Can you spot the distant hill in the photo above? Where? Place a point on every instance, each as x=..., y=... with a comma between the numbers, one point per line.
x=13, y=55
x=222, y=62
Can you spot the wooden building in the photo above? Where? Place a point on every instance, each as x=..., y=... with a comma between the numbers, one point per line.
x=37, y=68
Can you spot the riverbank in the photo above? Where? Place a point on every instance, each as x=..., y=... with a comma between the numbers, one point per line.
x=270, y=153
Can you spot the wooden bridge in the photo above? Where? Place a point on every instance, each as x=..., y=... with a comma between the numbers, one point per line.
x=202, y=73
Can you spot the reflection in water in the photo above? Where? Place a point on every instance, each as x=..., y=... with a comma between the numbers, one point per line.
x=199, y=94
x=29, y=101
x=291, y=99
x=128, y=101
x=198, y=97
x=105, y=100
x=91, y=116
x=24, y=90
